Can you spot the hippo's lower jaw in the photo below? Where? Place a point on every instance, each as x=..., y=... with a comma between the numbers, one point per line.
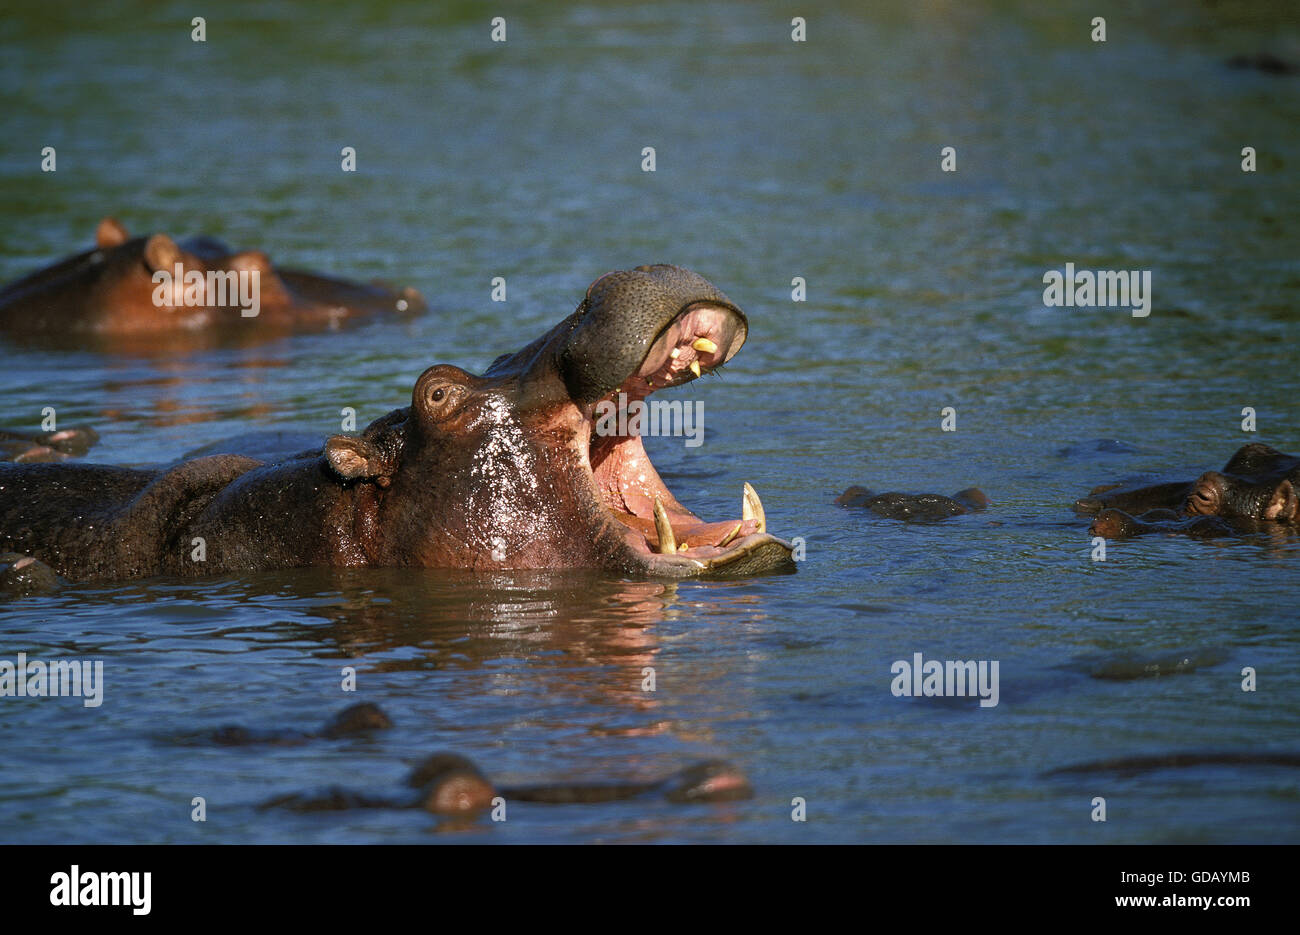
x=665, y=539
x=755, y=554
x=662, y=537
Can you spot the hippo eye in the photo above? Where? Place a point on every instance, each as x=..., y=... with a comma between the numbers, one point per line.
x=443, y=399
x=440, y=394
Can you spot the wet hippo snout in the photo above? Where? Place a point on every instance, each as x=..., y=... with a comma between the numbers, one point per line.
x=1113, y=524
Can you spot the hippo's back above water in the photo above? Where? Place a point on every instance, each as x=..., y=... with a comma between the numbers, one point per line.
x=92, y=521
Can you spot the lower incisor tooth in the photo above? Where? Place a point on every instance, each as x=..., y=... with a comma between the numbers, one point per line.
x=695, y=367
x=752, y=508
x=731, y=535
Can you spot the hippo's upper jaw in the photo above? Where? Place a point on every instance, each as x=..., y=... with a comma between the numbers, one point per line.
x=543, y=482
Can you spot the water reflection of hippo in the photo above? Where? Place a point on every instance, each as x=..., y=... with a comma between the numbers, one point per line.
x=502, y=471
x=1256, y=487
x=21, y=575
x=18, y=445
x=450, y=784
x=111, y=291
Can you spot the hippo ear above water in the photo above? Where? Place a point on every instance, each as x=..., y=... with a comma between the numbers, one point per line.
x=161, y=252
x=356, y=459
x=1283, y=505
x=110, y=233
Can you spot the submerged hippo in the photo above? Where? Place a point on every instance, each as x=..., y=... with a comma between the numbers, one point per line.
x=1116, y=524
x=925, y=507
x=1267, y=62
x=1255, y=487
x=119, y=289
x=492, y=472
x=360, y=718
x=1134, y=765
x=450, y=784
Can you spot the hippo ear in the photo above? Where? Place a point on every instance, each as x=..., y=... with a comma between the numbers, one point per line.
x=355, y=458
x=110, y=233
x=1282, y=505
x=161, y=252
x=250, y=260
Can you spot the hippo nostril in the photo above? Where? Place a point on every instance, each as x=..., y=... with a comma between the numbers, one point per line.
x=1202, y=501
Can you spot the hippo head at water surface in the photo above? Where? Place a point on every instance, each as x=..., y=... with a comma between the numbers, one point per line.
x=514, y=469
x=1255, y=490
x=1216, y=494
x=511, y=469
x=149, y=286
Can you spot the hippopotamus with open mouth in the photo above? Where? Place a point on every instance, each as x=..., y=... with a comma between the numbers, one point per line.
x=507, y=470
x=119, y=289
x=1256, y=486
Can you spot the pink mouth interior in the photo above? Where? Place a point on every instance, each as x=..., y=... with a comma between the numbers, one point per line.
x=626, y=480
